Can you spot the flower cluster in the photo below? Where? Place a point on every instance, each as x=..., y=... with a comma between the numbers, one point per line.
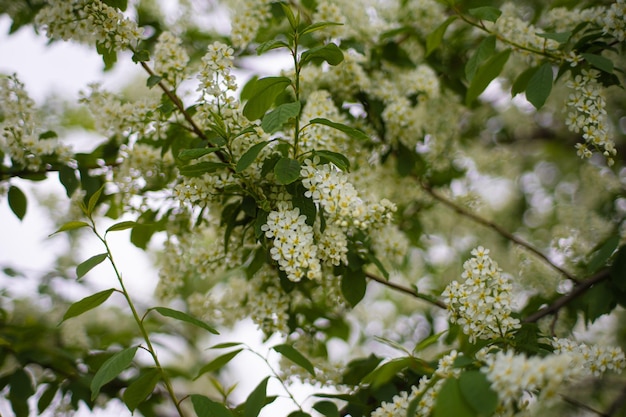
x=293, y=243
x=317, y=136
x=329, y=11
x=248, y=17
x=170, y=58
x=587, y=113
x=481, y=305
x=613, y=21
x=595, y=359
x=89, y=21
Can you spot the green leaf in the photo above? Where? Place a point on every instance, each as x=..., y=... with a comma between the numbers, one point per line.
x=201, y=168
x=142, y=55
x=73, y=225
x=250, y=156
x=485, y=74
x=256, y=400
x=153, y=80
x=290, y=17
x=21, y=389
x=385, y=372
x=326, y=408
x=182, y=316
x=303, y=203
x=485, y=50
x=353, y=286
x=89, y=264
x=17, y=202
x=491, y=14
x=122, y=226
x=560, y=37
x=434, y=39
x=287, y=170
x=46, y=397
x=262, y=93
x=296, y=357
x=93, y=200
x=329, y=53
x=338, y=159
x=618, y=269
x=521, y=82
x=539, y=86
x=350, y=131
x=67, y=177
x=195, y=153
x=318, y=26
x=87, y=303
x=299, y=413
x=600, y=62
x=225, y=345
x=206, y=407
x=217, y=363
x=274, y=120
x=450, y=401
x=603, y=254
x=430, y=340
x=111, y=369
x=476, y=391
x=271, y=44
x=141, y=388
x=598, y=300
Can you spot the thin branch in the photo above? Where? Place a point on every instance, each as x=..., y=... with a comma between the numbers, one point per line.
x=617, y=405
x=432, y=300
x=579, y=289
x=497, y=228
x=576, y=403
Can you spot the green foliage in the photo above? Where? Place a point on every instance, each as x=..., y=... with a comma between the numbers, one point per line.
x=205, y=407
x=87, y=303
x=539, y=86
x=296, y=357
x=262, y=93
x=17, y=202
x=218, y=362
x=184, y=317
x=485, y=74
x=141, y=388
x=89, y=264
x=111, y=368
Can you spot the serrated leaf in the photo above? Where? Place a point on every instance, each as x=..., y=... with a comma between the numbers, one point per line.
x=182, y=316
x=318, y=26
x=217, y=363
x=600, y=62
x=141, y=388
x=329, y=53
x=190, y=154
x=287, y=170
x=89, y=264
x=353, y=286
x=485, y=74
x=491, y=14
x=350, y=131
x=326, y=408
x=476, y=391
x=17, y=202
x=73, y=225
x=111, y=369
x=201, y=168
x=540, y=86
x=434, y=39
x=206, y=407
x=256, y=400
x=122, y=226
x=87, y=303
x=296, y=357
x=338, y=159
x=485, y=50
x=262, y=94
x=274, y=120
x=250, y=156
x=450, y=401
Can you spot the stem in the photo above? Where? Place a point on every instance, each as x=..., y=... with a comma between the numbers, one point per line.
x=138, y=320
x=497, y=228
x=579, y=404
x=296, y=135
x=429, y=298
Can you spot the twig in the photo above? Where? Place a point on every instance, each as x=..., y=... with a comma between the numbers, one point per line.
x=497, y=228
x=579, y=404
x=407, y=290
x=562, y=301
x=617, y=404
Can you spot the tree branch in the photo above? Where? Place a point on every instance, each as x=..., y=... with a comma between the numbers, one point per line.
x=617, y=404
x=410, y=291
x=497, y=228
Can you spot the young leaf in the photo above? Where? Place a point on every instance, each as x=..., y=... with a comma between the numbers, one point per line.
x=140, y=389
x=318, y=26
x=338, y=159
x=111, y=368
x=153, y=80
x=256, y=400
x=326, y=408
x=201, y=168
x=539, y=86
x=329, y=53
x=296, y=357
x=289, y=14
x=195, y=153
x=217, y=363
x=476, y=391
x=434, y=39
x=70, y=226
x=179, y=315
x=488, y=13
x=432, y=339
x=287, y=170
x=274, y=120
x=485, y=74
x=355, y=133
x=450, y=401
x=89, y=264
x=263, y=92
x=353, y=286
x=560, y=37
x=600, y=62
x=17, y=202
x=249, y=156
x=484, y=51
x=93, y=200
x=122, y=226
x=225, y=345
x=87, y=303
x=271, y=44
x=142, y=55
x=206, y=407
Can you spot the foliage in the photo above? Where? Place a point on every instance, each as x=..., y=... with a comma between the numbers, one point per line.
x=344, y=201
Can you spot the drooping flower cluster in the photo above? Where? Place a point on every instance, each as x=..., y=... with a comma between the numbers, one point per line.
x=89, y=21
x=587, y=114
x=596, y=359
x=170, y=58
x=613, y=21
x=247, y=18
x=481, y=305
x=293, y=242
